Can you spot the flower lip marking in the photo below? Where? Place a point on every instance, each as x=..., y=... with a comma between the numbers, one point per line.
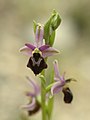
x=37, y=63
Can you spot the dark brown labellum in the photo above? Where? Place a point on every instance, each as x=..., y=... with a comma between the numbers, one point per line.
x=68, y=96
x=35, y=110
x=37, y=63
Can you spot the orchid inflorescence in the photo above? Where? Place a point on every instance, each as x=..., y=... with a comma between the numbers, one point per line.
x=38, y=54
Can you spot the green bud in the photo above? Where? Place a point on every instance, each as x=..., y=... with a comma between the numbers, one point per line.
x=50, y=27
x=56, y=20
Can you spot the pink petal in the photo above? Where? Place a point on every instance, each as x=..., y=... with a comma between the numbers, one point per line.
x=49, y=52
x=57, y=74
x=35, y=86
x=30, y=106
x=39, y=36
x=30, y=46
x=30, y=94
x=56, y=79
x=57, y=87
x=43, y=47
x=63, y=77
x=27, y=51
x=56, y=70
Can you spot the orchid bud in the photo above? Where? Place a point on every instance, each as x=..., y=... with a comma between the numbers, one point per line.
x=55, y=21
x=50, y=27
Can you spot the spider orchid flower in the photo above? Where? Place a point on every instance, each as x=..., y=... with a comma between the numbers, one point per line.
x=60, y=85
x=38, y=52
x=33, y=106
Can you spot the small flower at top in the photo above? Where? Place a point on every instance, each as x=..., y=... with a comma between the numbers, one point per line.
x=33, y=106
x=38, y=52
x=61, y=84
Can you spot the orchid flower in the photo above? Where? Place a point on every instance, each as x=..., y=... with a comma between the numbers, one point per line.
x=60, y=84
x=38, y=52
x=33, y=105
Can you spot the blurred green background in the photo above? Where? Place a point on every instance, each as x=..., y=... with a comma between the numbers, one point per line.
x=72, y=38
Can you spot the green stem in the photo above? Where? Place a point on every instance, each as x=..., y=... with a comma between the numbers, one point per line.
x=46, y=110
x=51, y=99
x=43, y=96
